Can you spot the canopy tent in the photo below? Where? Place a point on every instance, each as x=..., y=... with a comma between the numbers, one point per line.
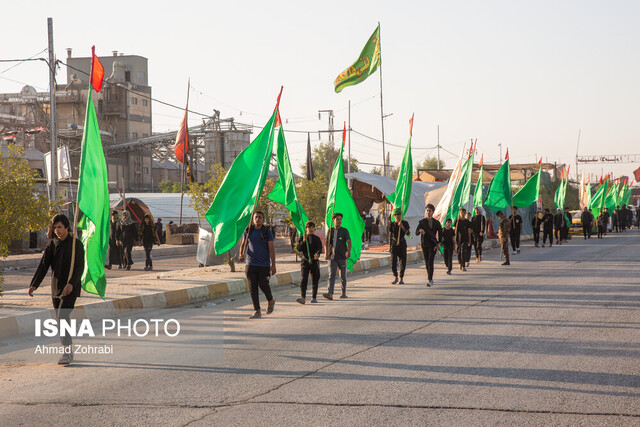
x=158, y=205
x=382, y=186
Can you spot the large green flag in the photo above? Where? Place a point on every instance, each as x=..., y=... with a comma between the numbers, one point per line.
x=461, y=193
x=284, y=192
x=367, y=63
x=93, y=201
x=529, y=193
x=611, y=199
x=627, y=194
x=339, y=200
x=477, y=196
x=401, y=197
x=233, y=205
x=499, y=194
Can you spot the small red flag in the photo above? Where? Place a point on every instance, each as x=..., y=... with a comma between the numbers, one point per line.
x=181, y=146
x=344, y=134
x=97, y=71
x=636, y=174
x=601, y=181
x=411, y=125
x=481, y=160
x=507, y=156
x=540, y=162
x=278, y=121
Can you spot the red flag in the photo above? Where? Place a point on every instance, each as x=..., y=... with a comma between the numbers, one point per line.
x=601, y=181
x=540, y=162
x=636, y=174
x=344, y=134
x=567, y=174
x=97, y=71
x=278, y=121
x=507, y=156
x=481, y=161
x=181, y=146
x=411, y=125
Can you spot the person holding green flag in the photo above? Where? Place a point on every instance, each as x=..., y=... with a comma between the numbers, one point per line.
x=430, y=231
x=310, y=247
x=398, y=229
x=337, y=253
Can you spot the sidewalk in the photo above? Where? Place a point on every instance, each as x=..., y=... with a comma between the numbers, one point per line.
x=24, y=261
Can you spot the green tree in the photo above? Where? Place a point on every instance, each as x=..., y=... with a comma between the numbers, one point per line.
x=395, y=171
x=165, y=186
x=202, y=194
x=548, y=190
x=323, y=158
x=313, y=198
x=21, y=207
x=176, y=187
x=430, y=163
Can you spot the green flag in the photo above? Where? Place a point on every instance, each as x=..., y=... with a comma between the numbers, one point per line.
x=461, y=193
x=477, y=196
x=597, y=202
x=529, y=193
x=367, y=63
x=627, y=194
x=499, y=193
x=559, y=196
x=588, y=193
x=611, y=198
x=284, y=192
x=401, y=197
x=339, y=200
x=239, y=193
x=93, y=201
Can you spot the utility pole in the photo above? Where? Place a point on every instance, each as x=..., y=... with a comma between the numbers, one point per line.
x=500, y=145
x=330, y=131
x=438, y=164
x=577, y=148
x=349, y=155
x=52, y=102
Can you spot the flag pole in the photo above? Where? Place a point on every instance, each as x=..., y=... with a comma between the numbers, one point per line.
x=384, y=165
x=184, y=154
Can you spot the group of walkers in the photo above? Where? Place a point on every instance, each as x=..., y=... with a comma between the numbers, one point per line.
x=124, y=233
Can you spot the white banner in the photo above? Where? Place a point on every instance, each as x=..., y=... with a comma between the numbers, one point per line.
x=64, y=164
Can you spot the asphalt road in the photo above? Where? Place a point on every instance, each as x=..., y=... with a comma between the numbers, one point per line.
x=553, y=339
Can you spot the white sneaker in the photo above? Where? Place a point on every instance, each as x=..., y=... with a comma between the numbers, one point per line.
x=514, y=252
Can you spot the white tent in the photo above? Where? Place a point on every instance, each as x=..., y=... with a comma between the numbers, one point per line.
x=162, y=205
x=386, y=186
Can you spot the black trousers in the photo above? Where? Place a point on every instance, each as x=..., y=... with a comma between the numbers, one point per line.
x=477, y=240
x=600, y=231
x=258, y=278
x=558, y=234
x=547, y=232
x=399, y=252
x=307, y=267
x=66, y=307
x=127, y=261
x=536, y=236
x=147, y=251
x=429, y=254
x=113, y=254
x=448, y=256
x=586, y=230
x=464, y=253
x=515, y=240
x=367, y=233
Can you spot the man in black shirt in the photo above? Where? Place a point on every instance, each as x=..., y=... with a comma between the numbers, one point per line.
x=536, y=223
x=115, y=235
x=606, y=220
x=547, y=227
x=368, y=226
x=516, y=230
x=129, y=234
x=398, y=229
x=430, y=231
x=310, y=247
x=558, y=223
x=449, y=244
x=479, y=227
x=64, y=290
x=463, y=238
x=587, y=222
x=338, y=250
x=159, y=229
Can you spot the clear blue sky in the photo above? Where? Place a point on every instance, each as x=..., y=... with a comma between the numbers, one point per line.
x=527, y=74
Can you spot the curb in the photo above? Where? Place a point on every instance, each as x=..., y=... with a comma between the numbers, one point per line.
x=25, y=323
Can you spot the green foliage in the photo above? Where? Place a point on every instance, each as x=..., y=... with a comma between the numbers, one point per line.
x=430, y=163
x=177, y=187
x=21, y=207
x=202, y=195
x=323, y=158
x=395, y=171
x=166, y=186
x=313, y=198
